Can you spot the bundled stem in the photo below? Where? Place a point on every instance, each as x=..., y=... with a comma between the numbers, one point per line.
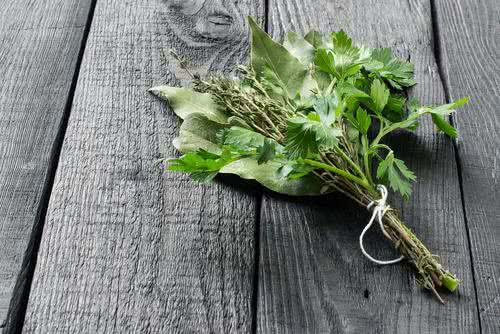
x=430, y=273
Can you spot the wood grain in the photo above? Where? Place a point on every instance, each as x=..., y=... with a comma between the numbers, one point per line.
x=125, y=248
x=39, y=46
x=469, y=38
x=312, y=275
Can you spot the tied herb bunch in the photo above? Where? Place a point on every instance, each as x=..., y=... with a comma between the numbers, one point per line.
x=309, y=117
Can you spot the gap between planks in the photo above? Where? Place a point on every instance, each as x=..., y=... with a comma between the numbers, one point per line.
x=438, y=57
x=19, y=302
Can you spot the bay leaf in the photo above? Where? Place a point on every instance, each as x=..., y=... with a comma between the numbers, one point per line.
x=198, y=132
x=268, y=175
x=299, y=48
x=267, y=54
x=185, y=101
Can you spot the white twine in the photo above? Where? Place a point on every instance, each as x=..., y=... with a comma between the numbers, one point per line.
x=378, y=212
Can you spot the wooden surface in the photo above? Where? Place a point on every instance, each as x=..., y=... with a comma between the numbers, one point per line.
x=469, y=32
x=39, y=46
x=125, y=248
x=313, y=277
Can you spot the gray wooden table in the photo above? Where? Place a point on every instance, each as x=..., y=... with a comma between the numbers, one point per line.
x=93, y=238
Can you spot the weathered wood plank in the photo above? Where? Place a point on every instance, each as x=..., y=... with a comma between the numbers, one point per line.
x=39, y=46
x=125, y=248
x=469, y=38
x=313, y=277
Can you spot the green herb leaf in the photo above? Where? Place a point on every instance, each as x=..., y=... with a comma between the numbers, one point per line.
x=437, y=113
x=268, y=55
x=380, y=95
x=381, y=55
x=240, y=137
x=299, y=48
x=305, y=136
x=185, y=101
x=444, y=126
x=394, y=109
x=394, y=172
x=349, y=90
x=338, y=64
x=398, y=73
x=272, y=176
x=202, y=165
x=342, y=43
x=363, y=121
x=316, y=39
x=267, y=151
x=346, y=57
x=248, y=142
x=324, y=61
x=445, y=109
x=326, y=108
x=301, y=138
x=198, y=132
x=296, y=169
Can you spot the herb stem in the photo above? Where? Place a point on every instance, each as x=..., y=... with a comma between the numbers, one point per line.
x=340, y=172
x=379, y=137
x=350, y=162
x=336, y=186
x=366, y=158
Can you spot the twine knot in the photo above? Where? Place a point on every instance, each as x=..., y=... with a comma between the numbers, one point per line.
x=378, y=212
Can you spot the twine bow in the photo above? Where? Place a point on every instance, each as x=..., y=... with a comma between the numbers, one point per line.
x=378, y=212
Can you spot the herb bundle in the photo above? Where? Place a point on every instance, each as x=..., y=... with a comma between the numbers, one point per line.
x=308, y=117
